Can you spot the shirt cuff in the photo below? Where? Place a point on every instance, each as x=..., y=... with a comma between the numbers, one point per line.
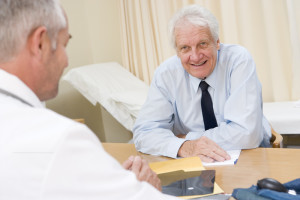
x=193, y=136
x=174, y=147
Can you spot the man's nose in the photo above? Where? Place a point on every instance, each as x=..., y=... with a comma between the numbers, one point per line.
x=196, y=55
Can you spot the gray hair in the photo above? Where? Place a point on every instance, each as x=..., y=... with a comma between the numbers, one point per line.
x=196, y=15
x=19, y=18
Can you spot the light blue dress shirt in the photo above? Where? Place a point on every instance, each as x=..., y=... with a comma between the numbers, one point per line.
x=173, y=106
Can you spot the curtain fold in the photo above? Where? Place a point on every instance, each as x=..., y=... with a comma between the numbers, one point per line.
x=269, y=29
x=294, y=29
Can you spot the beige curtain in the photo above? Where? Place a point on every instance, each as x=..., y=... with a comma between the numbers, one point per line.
x=269, y=29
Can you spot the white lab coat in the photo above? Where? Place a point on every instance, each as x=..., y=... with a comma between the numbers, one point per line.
x=44, y=155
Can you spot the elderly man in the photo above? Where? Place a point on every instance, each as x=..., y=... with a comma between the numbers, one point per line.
x=44, y=155
x=208, y=95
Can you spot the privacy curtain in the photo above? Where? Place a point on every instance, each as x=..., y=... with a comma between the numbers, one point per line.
x=269, y=29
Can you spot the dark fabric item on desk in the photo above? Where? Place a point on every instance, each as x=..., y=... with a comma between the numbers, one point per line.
x=247, y=194
x=243, y=194
x=293, y=185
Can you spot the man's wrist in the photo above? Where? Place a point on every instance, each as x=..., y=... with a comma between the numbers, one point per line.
x=182, y=152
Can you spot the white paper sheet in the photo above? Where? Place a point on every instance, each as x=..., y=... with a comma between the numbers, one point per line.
x=234, y=154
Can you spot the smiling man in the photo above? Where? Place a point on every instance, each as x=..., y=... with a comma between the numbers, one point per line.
x=206, y=99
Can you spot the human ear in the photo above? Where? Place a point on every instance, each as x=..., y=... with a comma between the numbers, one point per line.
x=38, y=42
x=218, y=44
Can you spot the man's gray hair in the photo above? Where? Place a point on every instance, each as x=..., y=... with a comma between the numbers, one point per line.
x=19, y=18
x=196, y=15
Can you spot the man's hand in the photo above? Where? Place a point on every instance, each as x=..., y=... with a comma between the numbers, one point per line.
x=142, y=171
x=206, y=149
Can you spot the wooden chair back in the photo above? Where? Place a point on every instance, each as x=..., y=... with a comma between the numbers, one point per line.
x=80, y=120
x=276, y=139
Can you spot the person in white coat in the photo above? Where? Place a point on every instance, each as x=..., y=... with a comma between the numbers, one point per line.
x=44, y=155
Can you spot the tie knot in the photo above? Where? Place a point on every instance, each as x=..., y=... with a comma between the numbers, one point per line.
x=203, y=85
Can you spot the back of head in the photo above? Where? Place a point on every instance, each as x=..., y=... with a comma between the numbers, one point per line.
x=19, y=18
x=196, y=15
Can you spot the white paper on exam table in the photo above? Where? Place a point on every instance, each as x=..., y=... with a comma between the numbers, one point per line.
x=234, y=154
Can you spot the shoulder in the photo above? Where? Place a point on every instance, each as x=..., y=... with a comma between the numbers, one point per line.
x=233, y=52
x=232, y=57
x=171, y=65
x=61, y=125
x=168, y=78
x=236, y=61
x=44, y=130
x=170, y=70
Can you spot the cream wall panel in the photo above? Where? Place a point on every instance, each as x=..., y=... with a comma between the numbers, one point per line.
x=95, y=29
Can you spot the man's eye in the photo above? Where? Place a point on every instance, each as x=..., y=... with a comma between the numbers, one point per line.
x=184, y=48
x=203, y=44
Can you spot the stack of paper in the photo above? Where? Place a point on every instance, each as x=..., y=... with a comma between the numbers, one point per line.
x=234, y=154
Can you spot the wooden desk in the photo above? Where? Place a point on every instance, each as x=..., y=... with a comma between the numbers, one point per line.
x=282, y=164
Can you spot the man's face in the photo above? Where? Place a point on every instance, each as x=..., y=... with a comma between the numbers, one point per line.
x=196, y=49
x=55, y=61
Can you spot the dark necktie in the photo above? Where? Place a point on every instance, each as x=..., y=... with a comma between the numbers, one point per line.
x=207, y=108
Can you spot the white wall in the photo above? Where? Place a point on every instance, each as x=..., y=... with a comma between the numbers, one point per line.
x=95, y=29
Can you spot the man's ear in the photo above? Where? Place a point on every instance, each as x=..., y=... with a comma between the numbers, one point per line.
x=38, y=41
x=218, y=44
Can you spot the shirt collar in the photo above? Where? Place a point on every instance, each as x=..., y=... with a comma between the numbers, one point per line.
x=14, y=85
x=210, y=80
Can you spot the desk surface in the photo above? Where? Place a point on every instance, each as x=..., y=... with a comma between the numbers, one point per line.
x=282, y=164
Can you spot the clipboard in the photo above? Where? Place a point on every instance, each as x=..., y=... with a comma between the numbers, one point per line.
x=181, y=183
x=190, y=164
